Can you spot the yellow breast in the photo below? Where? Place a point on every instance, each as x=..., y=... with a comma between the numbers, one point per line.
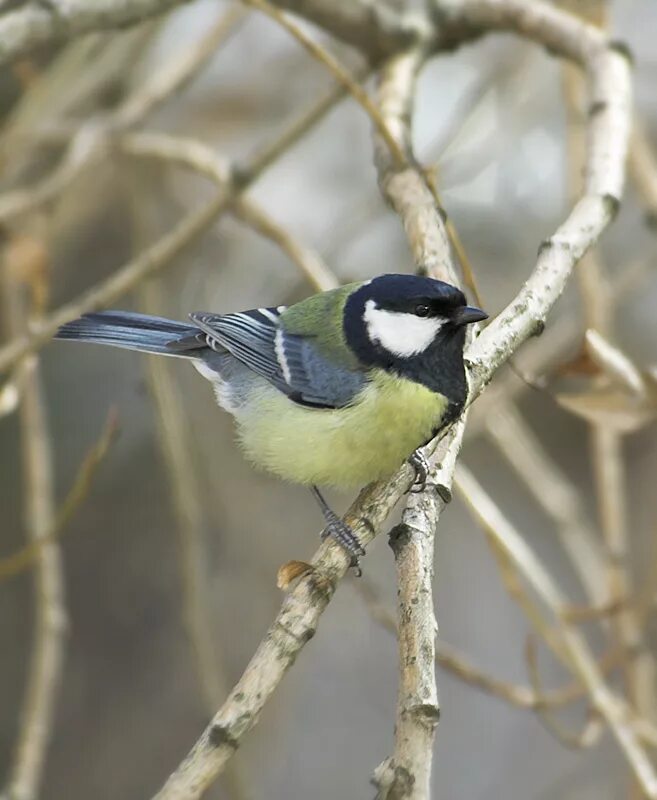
x=345, y=447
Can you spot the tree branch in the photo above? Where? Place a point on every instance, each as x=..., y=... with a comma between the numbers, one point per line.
x=35, y=24
x=375, y=27
x=407, y=773
x=172, y=244
x=46, y=660
x=582, y=661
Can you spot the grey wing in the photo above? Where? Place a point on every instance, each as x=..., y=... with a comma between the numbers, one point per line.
x=291, y=363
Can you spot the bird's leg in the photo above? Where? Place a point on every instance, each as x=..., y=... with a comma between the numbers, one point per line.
x=420, y=464
x=339, y=530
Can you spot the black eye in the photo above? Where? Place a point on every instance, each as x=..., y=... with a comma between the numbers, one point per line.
x=421, y=310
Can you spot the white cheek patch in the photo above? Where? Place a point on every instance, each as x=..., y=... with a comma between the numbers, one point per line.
x=400, y=333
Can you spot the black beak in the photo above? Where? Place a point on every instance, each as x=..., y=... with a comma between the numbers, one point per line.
x=467, y=315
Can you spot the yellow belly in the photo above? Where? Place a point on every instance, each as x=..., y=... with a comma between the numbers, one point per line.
x=345, y=447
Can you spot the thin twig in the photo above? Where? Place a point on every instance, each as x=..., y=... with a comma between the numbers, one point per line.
x=606, y=445
x=27, y=556
x=376, y=29
x=187, y=501
x=341, y=75
x=553, y=491
x=583, y=663
x=593, y=727
x=642, y=164
x=48, y=647
x=170, y=245
x=90, y=144
x=309, y=262
x=448, y=658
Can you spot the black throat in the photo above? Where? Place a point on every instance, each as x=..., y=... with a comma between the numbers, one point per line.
x=439, y=367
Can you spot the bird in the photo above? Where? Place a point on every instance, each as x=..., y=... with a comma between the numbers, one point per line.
x=338, y=389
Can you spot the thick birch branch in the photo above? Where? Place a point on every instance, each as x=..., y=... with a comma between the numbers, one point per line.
x=407, y=773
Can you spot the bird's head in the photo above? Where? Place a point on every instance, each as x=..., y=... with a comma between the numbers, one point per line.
x=410, y=325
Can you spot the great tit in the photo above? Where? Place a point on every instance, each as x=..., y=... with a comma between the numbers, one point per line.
x=338, y=389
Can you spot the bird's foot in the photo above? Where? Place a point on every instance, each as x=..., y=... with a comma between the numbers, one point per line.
x=418, y=461
x=340, y=532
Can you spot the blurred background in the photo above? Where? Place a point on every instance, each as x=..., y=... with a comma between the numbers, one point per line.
x=500, y=122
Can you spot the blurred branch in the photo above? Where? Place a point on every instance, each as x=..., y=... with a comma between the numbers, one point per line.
x=614, y=711
x=593, y=727
x=336, y=69
x=459, y=666
x=28, y=555
x=607, y=445
x=374, y=27
x=642, y=164
x=310, y=263
x=553, y=491
x=34, y=24
x=187, y=499
x=177, y=72
x=171, y=244
x=188, y=506
x=90, y=143
x=47, y=654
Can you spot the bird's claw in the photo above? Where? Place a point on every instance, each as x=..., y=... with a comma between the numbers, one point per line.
x=418, y=461
x=340, y=532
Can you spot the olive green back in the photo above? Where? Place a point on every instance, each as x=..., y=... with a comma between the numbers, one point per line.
x=320, y=317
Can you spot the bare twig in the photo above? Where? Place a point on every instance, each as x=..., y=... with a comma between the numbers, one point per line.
x=28, y=555
x=607, y=457
x=187, y=502
x=461, y=667
x=169, y=246
x=47, y=655
x=90, y=144
x=375, y=29
x=642, y=164
x=553, y=491
x=309, y=262
x=593, y=727
x=338, y=71
x=583, y=663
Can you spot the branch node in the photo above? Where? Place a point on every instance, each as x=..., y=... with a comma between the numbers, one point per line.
x=444, y=492
x=219, y=735
x=399, y=537
x=598, y=107
x=612, y=204
x=623, y=49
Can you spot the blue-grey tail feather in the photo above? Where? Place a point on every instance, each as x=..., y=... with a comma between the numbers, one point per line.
x=135, y=332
